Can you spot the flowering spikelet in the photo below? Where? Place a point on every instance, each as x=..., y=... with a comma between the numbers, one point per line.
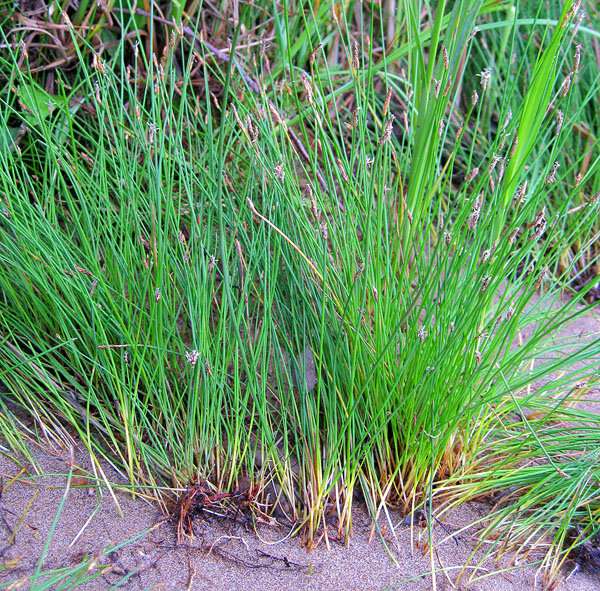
x=355, y=59
x=451, y=327
x=438, y=85
x=507, y=119
x=514, y=146
x=386, y=104
x=459, y=132
x=478, y=357
x=539, y=224
x=387, y=131
x=323, y=227
x=485, y=255
x=340, y=165
x=448, y=238
x=157, y=294
x=594, y=198
x=446, y=59
x=577, y=58
x=521, y=193
x=307, y=88
x=538, y=283
x=212, y=261
x=495, y=160
x=551, y=178
x=448, y=86
x=486, y=75
x=151, y=132
x=559, y=121
x=578, y=178
x=472, y=174
x=421, y=334
x=192, y=357
x=308, y=192
x=501, y=170
x=279, y=171
x=474, y=215
x=566, y=85
x=23, y=49
x=509, y=313
x=578, y=21
x=474, y=98
x=97, y=91
x=513, y=236
x=405, y=121
x=485, y=281
x=441, y=127
x=313, y=53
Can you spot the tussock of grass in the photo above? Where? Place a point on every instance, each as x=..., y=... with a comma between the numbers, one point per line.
x=185, y=233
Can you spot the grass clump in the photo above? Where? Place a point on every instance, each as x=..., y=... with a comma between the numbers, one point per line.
x=307, y=256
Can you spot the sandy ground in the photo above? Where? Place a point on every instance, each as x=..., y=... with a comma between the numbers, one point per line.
x=225, y=555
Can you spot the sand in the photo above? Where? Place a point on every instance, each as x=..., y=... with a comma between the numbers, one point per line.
x=225, y=555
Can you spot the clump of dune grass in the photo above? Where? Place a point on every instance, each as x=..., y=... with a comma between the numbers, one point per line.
x=307, y=257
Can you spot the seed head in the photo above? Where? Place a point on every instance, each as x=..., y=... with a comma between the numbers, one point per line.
x=551, y=178
x=538, y=283
x=486, y=76
x=448, y=86
x=192, y=357
x=355, y=56
x=472, y=174
x=279, y=171
x=495, y=160
x=313, y=53
x=485, y=256
x=340, y=165
x=509, y=313
x=578, y=178
x=566, y=85
x=405, y=121
x=446, y=59
x=387, y=131
x=485, y=281
x=514, y=146
x=212, y=261
x=474, y=98
x=386, y=104
x=438, y=85
x=23, y=48
x=441, y=127
x=501, y=170
x=577, y=58
x=521, y=193
x=478, y=357
x=507, y=119
x=157, y=294
x=559, y=121
x=324, y=232
x=307, y=88
x=473, y=219
x=513, y=236
x=458, y=132
x=448, y=238
x=422, y=334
